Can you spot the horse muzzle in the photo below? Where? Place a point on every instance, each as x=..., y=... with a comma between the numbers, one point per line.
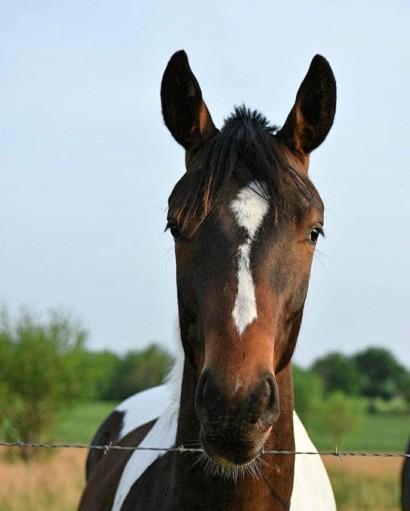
x=235, y=426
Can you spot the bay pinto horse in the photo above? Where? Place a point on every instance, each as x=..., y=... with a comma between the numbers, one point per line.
x=245, y=218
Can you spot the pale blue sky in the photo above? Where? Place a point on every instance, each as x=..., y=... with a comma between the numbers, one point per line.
x=87, y=165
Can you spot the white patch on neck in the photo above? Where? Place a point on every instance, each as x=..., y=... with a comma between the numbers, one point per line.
x=250, y=208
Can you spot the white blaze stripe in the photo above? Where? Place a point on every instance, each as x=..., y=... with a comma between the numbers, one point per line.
x=244, y=311
x=250, y=208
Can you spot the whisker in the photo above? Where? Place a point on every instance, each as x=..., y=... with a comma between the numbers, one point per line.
x=317, y=255
x=264, y=462
x=229, y=473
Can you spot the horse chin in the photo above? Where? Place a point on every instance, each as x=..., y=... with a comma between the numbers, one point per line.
x=219, y=466
x=232, y=460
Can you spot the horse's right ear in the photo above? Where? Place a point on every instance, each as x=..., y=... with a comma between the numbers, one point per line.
x=312, y=115
x=184, y=111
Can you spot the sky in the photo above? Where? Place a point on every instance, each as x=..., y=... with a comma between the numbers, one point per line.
x=86, y=164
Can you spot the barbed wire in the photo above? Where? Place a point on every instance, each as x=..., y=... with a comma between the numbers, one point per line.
x=181, y=449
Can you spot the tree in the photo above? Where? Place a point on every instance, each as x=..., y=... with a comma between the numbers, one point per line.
x=339, y=374
x=139, y=370
x=308, y=389
x=382, y=375
x=42, y=372
x=341, y=415
x=103, y=369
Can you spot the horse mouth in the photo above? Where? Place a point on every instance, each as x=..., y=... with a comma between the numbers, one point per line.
x=230, y=464
x=230, y=454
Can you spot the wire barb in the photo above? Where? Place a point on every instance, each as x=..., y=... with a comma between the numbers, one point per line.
x=107, y=448
x=337, y=453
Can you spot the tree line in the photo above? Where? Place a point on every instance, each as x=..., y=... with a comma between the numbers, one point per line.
x=373, y=372
x=334, y=394
x=46, y=367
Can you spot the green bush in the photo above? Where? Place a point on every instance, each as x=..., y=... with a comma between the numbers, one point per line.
x=42, y=372
x=308, y=390
x=340, y=415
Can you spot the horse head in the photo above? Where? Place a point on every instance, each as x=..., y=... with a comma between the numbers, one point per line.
x=245, y=218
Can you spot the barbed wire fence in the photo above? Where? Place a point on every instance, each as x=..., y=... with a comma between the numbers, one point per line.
x=181, y=449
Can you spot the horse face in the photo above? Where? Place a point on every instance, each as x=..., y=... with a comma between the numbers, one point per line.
x=245, y=218
x=242, y=279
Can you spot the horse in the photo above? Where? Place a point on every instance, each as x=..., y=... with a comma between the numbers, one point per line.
x=245, y=219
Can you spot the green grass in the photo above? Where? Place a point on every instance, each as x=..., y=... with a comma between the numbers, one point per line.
x=80, y=423
x=378, y=433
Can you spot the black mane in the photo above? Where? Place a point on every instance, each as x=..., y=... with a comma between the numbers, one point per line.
x=246, y=149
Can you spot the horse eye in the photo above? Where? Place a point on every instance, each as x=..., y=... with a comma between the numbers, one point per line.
x=314, y=234
x=175, y=230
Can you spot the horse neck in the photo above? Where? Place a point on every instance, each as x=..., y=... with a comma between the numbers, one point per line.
x=271, y=490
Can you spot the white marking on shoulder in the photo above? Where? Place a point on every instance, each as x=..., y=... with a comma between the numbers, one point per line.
x=250, y=208
x=312, y=490
x=143, y=407
x=161, y=403
x=162, y=434
x=149, y=404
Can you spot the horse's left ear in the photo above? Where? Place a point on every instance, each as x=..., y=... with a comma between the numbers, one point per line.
x=312, y=115
x=184, y=111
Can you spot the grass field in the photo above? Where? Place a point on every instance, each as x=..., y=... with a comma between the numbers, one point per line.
x=365, y=484
x=360, y=484
x=55, y=483
x=51, y=484
x=79, y=424
x=378, y=433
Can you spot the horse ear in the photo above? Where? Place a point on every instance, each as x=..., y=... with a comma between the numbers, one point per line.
x=184, y=111
x=312, y=115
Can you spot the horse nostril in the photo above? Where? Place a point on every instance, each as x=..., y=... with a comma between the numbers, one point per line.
x=203, y=391
x=271, y=412
x=204, y=385
x=273, y=391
